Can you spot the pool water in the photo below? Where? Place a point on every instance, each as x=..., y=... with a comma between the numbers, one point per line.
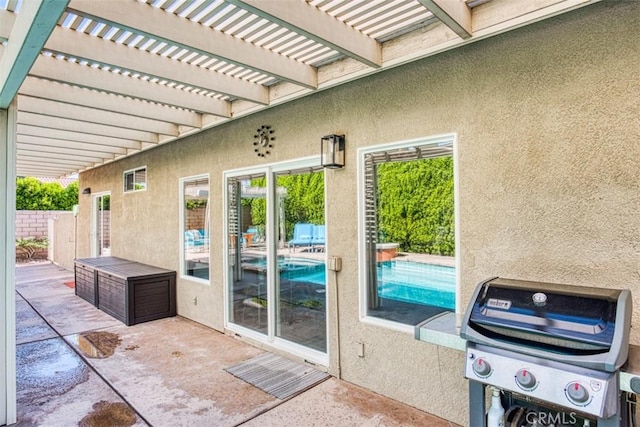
x=405, y=281
x=417, y=283
x=298, y=269
x=304, y=270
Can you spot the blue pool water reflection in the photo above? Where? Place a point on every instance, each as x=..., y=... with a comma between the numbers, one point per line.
x=406, y=281
x=417, y=283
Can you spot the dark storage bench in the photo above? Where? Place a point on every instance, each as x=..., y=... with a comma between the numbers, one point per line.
x=129, y=291
x=86, y=275
x=135, y=293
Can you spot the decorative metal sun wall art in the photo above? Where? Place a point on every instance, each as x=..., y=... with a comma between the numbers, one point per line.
x=263, y=141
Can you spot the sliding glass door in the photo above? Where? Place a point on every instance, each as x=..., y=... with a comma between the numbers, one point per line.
x=101, y=245
x=276, y=269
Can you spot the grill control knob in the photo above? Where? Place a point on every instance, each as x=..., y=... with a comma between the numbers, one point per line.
x=481, y=367
x=525, y=379
x=577, y=393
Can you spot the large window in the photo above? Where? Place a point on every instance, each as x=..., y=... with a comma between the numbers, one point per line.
x=195, y=227
x=409, y=241
x=135, y=180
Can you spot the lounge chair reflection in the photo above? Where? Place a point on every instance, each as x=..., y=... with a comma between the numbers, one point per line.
x=302, y=236
x=318, y=239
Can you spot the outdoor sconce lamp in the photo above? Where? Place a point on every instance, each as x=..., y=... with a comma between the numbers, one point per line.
x=86, y=190
x=332, y=150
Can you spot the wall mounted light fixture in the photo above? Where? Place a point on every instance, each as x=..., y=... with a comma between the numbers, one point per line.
x=86, y=190
x=332, y=151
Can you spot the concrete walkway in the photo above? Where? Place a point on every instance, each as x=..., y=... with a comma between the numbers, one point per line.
x=76, y=365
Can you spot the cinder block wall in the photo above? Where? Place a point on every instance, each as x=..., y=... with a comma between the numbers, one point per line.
x=34, y=224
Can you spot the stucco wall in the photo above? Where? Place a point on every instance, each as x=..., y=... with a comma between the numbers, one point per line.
x=548, y=124
x=62, y=241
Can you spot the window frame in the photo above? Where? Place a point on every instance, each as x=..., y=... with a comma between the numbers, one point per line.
x=133, y=171
x=443, y=139
x=182, y=227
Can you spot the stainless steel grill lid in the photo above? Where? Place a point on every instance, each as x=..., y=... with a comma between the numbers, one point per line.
x=573, y=324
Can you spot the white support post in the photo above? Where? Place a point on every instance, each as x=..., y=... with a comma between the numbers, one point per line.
x=31, y=29
x=8, y=264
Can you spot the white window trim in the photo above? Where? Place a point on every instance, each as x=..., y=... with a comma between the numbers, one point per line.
x=270, y=340
x=134, y=170
x=449, y=138
x=182, y=230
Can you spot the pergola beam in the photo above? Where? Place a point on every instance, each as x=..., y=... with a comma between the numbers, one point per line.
x=57, y=123
x=61, y=156
x=455, y=14
x=90, y=115
x=69, y=147
x=79, y=45
x=47, y=89
x=65, y=135
x=23, y=171
x=92, y=78
x=309, y=21
x=144, y=19
x=32, y=26
x=24, y=159
x=7, y=19
x=58, y=169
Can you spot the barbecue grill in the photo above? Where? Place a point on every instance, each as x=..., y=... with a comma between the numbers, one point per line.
x=548, y=347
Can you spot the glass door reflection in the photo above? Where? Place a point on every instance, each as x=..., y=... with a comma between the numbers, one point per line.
x=102, y=225
x=301, y=278
x=248, y=296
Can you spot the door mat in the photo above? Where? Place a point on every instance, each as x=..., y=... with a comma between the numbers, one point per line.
x=280, y=377
x=71, y=284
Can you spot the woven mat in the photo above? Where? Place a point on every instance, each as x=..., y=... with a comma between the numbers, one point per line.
x=277, y=376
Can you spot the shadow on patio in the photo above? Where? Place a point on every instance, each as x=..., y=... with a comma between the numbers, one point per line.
x=165, y=372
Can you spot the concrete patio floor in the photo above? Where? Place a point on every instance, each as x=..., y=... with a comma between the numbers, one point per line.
x=168, y=372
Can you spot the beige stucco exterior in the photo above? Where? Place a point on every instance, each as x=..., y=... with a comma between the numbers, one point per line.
x=62, y=240
x=548, y=125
